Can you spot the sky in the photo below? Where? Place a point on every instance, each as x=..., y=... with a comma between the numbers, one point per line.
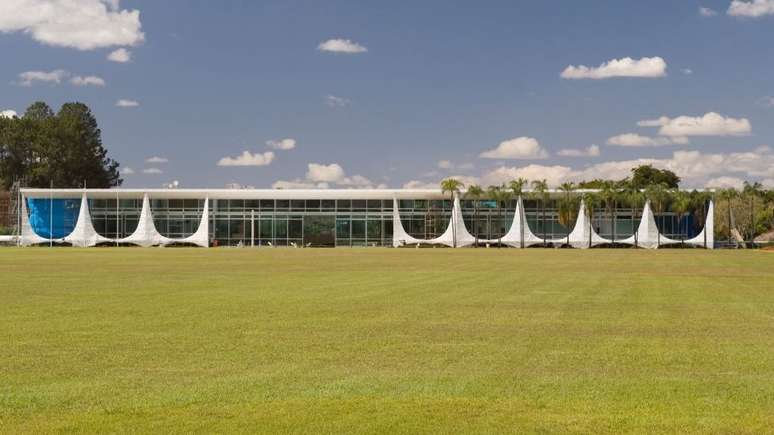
x=357, y=94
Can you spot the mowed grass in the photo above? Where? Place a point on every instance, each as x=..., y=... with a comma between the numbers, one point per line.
x=385, y=340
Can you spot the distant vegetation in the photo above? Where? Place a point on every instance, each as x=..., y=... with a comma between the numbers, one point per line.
x=64, y=149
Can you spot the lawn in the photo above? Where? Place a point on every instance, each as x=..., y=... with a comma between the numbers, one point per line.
x=385, y=340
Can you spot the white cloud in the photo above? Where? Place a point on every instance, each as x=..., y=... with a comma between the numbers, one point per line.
x=637, y=140
x=8, y=114
x=152, y=171
x=248, y=159
x=711, y=124
x=445, y=164
x=725, y=182
x=81, y=24
x=329, y=173
x=687, y=71
x=28, y=78
x=334, y=101
x=87, y=81
x=647, y=67
x=517, y=148
x=707, y=12
x=121, y=55
x=156, y=159
x=127, y=103
x=341, y=46
x=284, y=144
x=752, y=9
x=322, y=176
x=126, y=171
x=767, y=101
x=591, y=151
x=694, y=167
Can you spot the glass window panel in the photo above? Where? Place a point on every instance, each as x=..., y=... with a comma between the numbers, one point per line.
x=328, y=204
x=374, y=204
x=358, y=229
x=342, y=229
x=297, y=205
x=252, y=204
x=267, y=204
x=281, y=228
x=295, y=229
x=406, y=204
x=176, y=204
x=266, y=229
x=374, y=230
x=344, y=205
x=312, y=204
x=358, y=205
x=283, y=204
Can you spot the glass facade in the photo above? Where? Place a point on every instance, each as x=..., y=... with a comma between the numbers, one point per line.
x=347, y=222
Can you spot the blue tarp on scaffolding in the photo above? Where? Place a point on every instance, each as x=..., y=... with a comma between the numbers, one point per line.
x=54, y=225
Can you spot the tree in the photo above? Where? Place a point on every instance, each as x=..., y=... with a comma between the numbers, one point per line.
x=540, y=188
x=609, y=194
x=64, y=149
x=658, y=196
x=590, y=201
x=475, y=192
x=635, y=198
x=752, y=191
x=501, y=196
x=681, y=204
x=452, y=186
x=567, y=207
x=646, y=175
x=728, y=195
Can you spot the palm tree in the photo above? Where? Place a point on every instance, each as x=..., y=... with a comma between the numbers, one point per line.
x=635, y=198
x=658, y=195
x=475, y=192
x=540, y=188
x=681, y=205
x=609, y=194
x=517, y=186
x=590, y=201
x=566, y=207
x=501, y=196
x=728, y=195
x=752, y=191
x=452, y=186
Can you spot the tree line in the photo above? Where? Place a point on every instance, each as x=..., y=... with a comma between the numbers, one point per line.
x=64, y=149
x=740, y=215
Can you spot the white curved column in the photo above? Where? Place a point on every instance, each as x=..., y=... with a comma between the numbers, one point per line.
x=28, y=235
x=647, y=231
x=699, y=241
x=456, y=232
x=518, y=232
x=202, y=235
x=84, y=234
x=145, y=235
x=582, y=235
x=399, y=235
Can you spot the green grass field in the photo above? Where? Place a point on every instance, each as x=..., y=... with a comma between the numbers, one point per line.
x=384, y=340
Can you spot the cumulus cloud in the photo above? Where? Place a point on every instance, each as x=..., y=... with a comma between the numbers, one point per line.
x=767, y=101
x=248, y=159
x=751, y=9
x=695, y=168
x=322, y=176
x=126, y=171
x=152, y=171
x=710, y=124
x=637, y=140
x=8, y=114
x=707, y=12
x=334, y=101
x=517, y=148
x=127, y=103
x=341, y=46
x=647, y=67
x=156, y=159
x=28, y=78
x=591, y=151
x=82, y=24
x=416, y=184
x=87, y=81
x=284, y=144
x=121, y=55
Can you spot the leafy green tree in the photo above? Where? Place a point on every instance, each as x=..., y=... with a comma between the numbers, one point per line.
x=752, y=191
x=64, y=149
x=681, y=205
x=646, y=175
x=590, y=201
x=658, y=196
x=501, y=195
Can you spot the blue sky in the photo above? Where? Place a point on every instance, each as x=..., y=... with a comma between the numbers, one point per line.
x=406, y=93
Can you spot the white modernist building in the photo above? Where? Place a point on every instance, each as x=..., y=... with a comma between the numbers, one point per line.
x=345, y=217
